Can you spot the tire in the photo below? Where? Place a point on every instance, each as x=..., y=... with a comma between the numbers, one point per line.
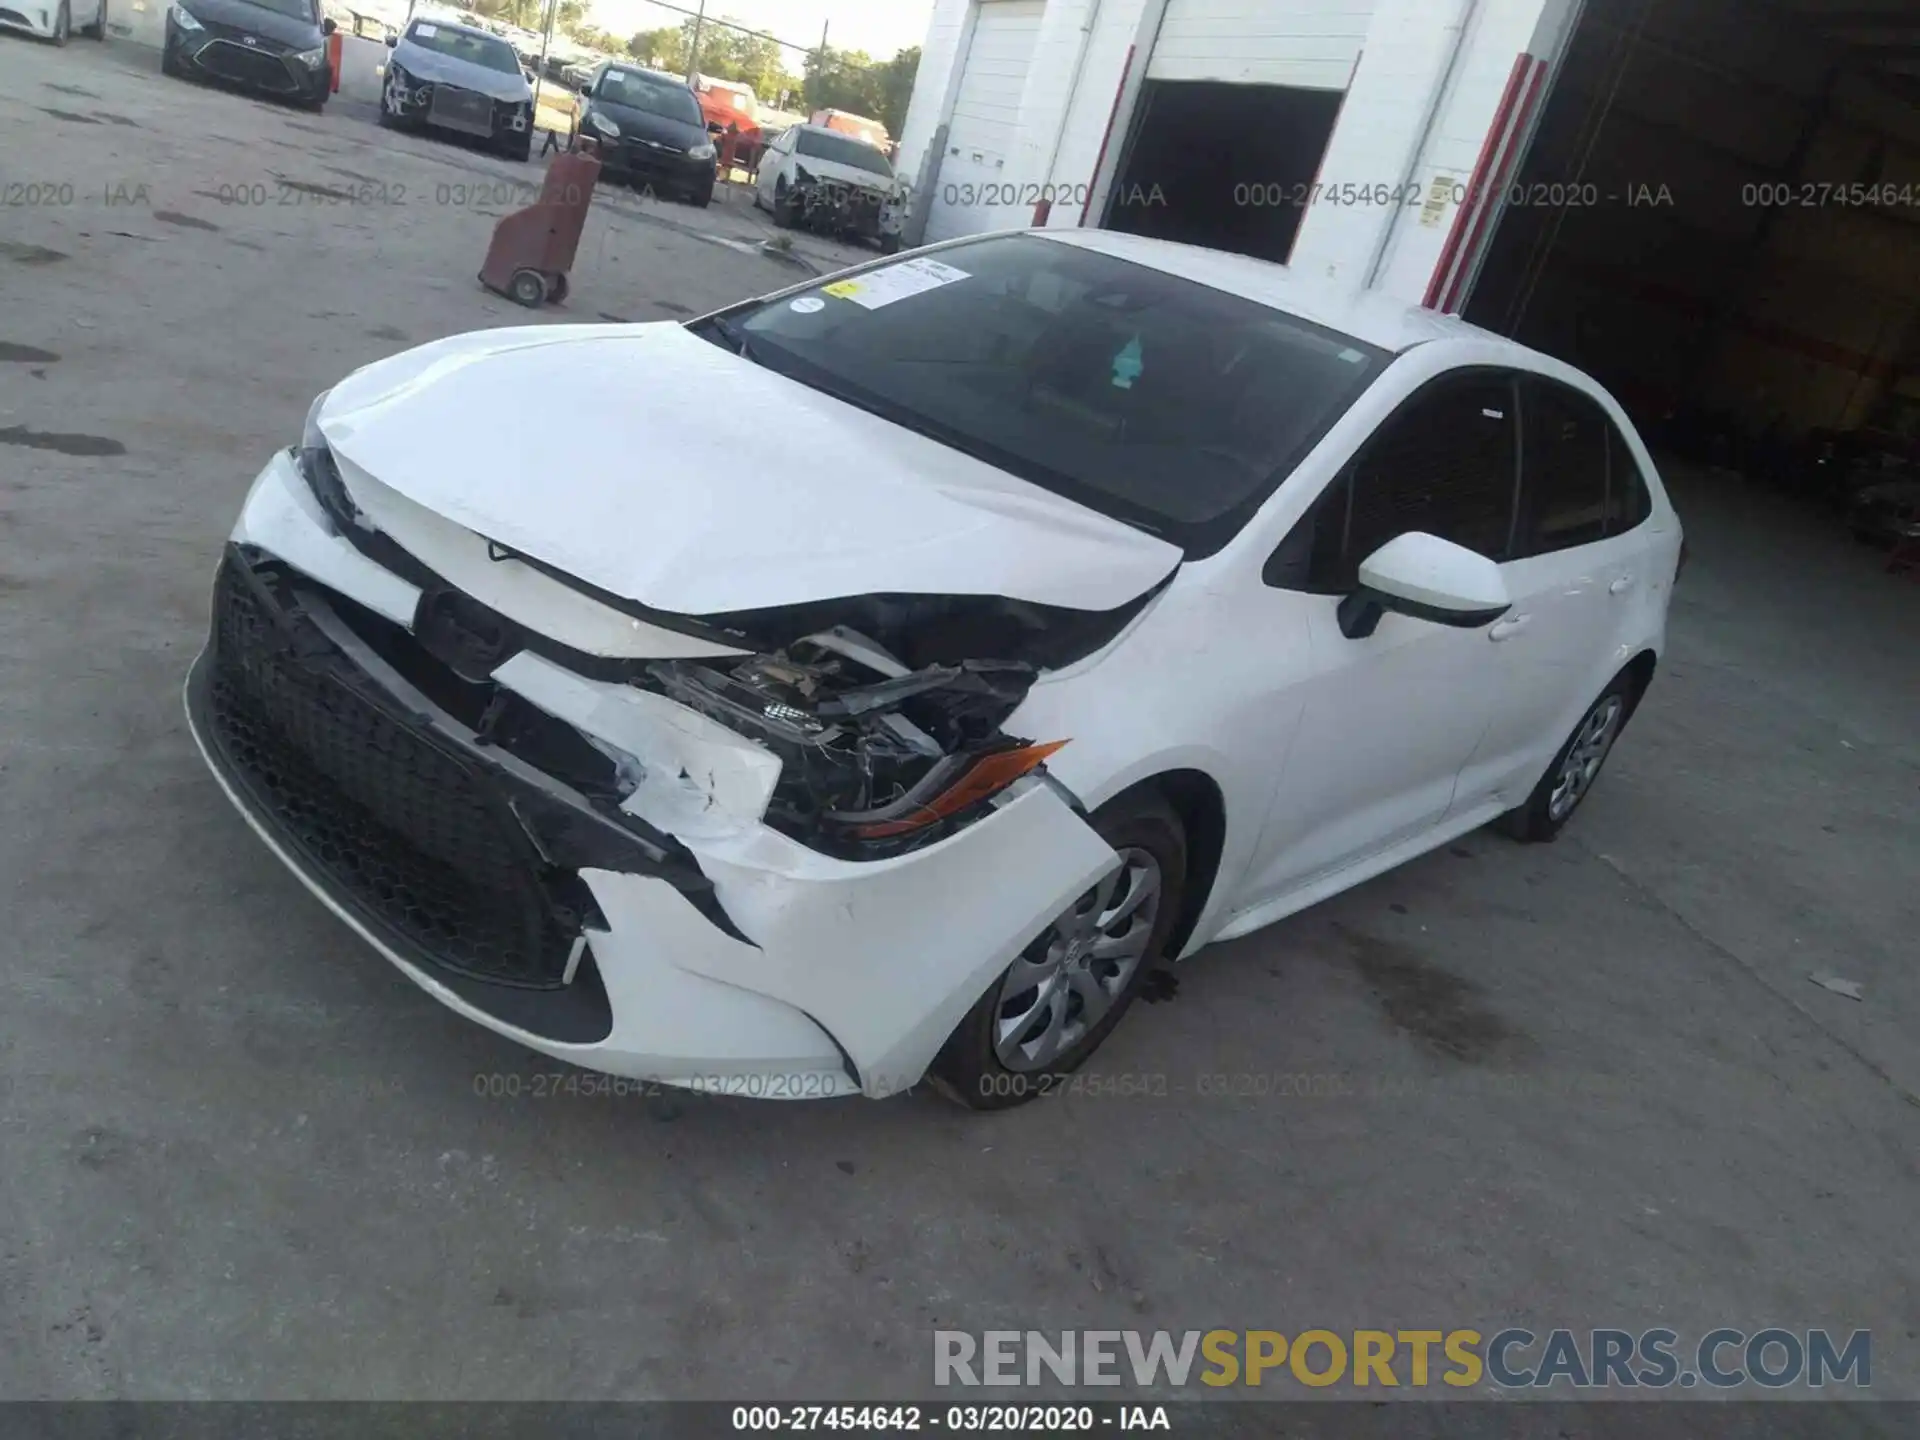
x=170, y=66
x=782, y=206
x=971, y=1068
x=700, y=199
x=384, y=118
x=889, y=244
x=62, y=25
x=1547, y=809
x=527, y=287
x=520, y=149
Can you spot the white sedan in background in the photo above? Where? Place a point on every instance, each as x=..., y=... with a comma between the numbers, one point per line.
x=1074, y=600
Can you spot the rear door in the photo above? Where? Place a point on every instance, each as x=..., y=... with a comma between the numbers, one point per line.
x=1575, y=574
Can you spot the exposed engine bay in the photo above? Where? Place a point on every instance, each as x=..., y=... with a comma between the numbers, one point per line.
x=871, y=750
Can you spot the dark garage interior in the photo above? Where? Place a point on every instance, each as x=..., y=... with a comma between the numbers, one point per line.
x=1219, y=165
x=1719, y=217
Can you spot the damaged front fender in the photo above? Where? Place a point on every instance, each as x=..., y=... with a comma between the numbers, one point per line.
x=886, y=956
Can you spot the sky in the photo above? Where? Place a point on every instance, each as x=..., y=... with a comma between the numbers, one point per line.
x=880, y=27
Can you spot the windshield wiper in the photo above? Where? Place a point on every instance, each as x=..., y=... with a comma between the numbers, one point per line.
x=736, y=339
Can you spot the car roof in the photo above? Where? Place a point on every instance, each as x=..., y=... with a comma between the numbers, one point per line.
x=1368, y=315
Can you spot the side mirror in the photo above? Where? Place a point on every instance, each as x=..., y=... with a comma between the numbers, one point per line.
x=586, y=90
x=392, y=40
x=327, y=27
x=1426, y=578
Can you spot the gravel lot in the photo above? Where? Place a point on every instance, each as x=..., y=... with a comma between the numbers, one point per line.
x=1579, y=1085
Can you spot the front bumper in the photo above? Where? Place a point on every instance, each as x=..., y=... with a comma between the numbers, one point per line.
x=453, y=109
x=246, y=63
x=641, y=164
x=672, y=937
x=832, y=207
x=33, y=19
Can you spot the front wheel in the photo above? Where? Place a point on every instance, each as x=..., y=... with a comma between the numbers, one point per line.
x=1571, y=775
x=1063, y=995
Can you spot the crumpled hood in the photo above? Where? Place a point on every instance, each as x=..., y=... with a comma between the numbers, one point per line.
x=663, y=469
x=424, y=64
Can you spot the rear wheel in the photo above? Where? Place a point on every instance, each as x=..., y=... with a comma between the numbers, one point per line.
x=1062, y=996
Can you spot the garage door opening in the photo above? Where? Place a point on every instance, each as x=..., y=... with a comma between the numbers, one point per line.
x=1225, y=166
x=1719, y=217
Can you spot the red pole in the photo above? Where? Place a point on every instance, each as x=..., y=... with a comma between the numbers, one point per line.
x=334, y=43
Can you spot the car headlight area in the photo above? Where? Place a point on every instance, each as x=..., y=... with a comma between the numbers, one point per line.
x=675, y=871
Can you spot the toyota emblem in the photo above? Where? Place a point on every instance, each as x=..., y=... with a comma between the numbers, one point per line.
x=248, y=40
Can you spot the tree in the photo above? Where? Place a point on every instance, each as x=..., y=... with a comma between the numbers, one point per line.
x=896, y=89
x=665, y=47
x=852, y=80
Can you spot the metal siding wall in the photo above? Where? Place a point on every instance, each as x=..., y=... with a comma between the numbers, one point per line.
x=985, y=129
x=1309, y=43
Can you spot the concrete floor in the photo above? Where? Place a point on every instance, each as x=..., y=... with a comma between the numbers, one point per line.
x=1585, y=1085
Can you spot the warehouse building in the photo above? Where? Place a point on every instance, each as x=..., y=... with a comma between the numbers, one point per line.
x=1713, y=205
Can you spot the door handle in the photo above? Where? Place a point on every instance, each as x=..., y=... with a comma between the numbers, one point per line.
x=1508, y=628
x=1621, y=585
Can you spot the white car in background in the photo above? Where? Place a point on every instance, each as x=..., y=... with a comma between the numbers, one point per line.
x=55, y=20
x=1074, y=600
x=827, y=180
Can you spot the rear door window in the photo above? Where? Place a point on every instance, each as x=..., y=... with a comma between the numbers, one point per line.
x=1565, y=487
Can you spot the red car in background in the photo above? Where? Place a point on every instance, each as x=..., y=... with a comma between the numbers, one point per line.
x=861, y=127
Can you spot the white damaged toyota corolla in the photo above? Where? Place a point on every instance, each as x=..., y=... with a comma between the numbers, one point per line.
x=1039, y=608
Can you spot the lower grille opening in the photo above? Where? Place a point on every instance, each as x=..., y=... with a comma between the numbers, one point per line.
x=249, y=67
x=405, y=827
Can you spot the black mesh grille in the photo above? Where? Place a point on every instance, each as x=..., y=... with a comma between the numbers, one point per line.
x=404, y=826
x=250, y=67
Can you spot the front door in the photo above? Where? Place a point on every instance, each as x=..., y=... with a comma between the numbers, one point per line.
x=1389, y=721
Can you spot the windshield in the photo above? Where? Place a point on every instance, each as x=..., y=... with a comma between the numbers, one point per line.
x=1150, y=398
x=481, y=50
x=298, y=9
x=655, y=97
x=843, y=150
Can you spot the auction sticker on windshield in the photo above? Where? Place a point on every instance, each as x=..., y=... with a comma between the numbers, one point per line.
x=895, y=282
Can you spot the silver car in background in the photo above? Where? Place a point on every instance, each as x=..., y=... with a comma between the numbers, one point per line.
x=443, y=75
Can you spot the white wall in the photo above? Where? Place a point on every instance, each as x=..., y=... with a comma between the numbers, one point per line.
x=1413, y=49
x=937, y=55
x=1308, y=43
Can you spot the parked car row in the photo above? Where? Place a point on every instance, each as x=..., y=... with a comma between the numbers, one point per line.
x=440, y=75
